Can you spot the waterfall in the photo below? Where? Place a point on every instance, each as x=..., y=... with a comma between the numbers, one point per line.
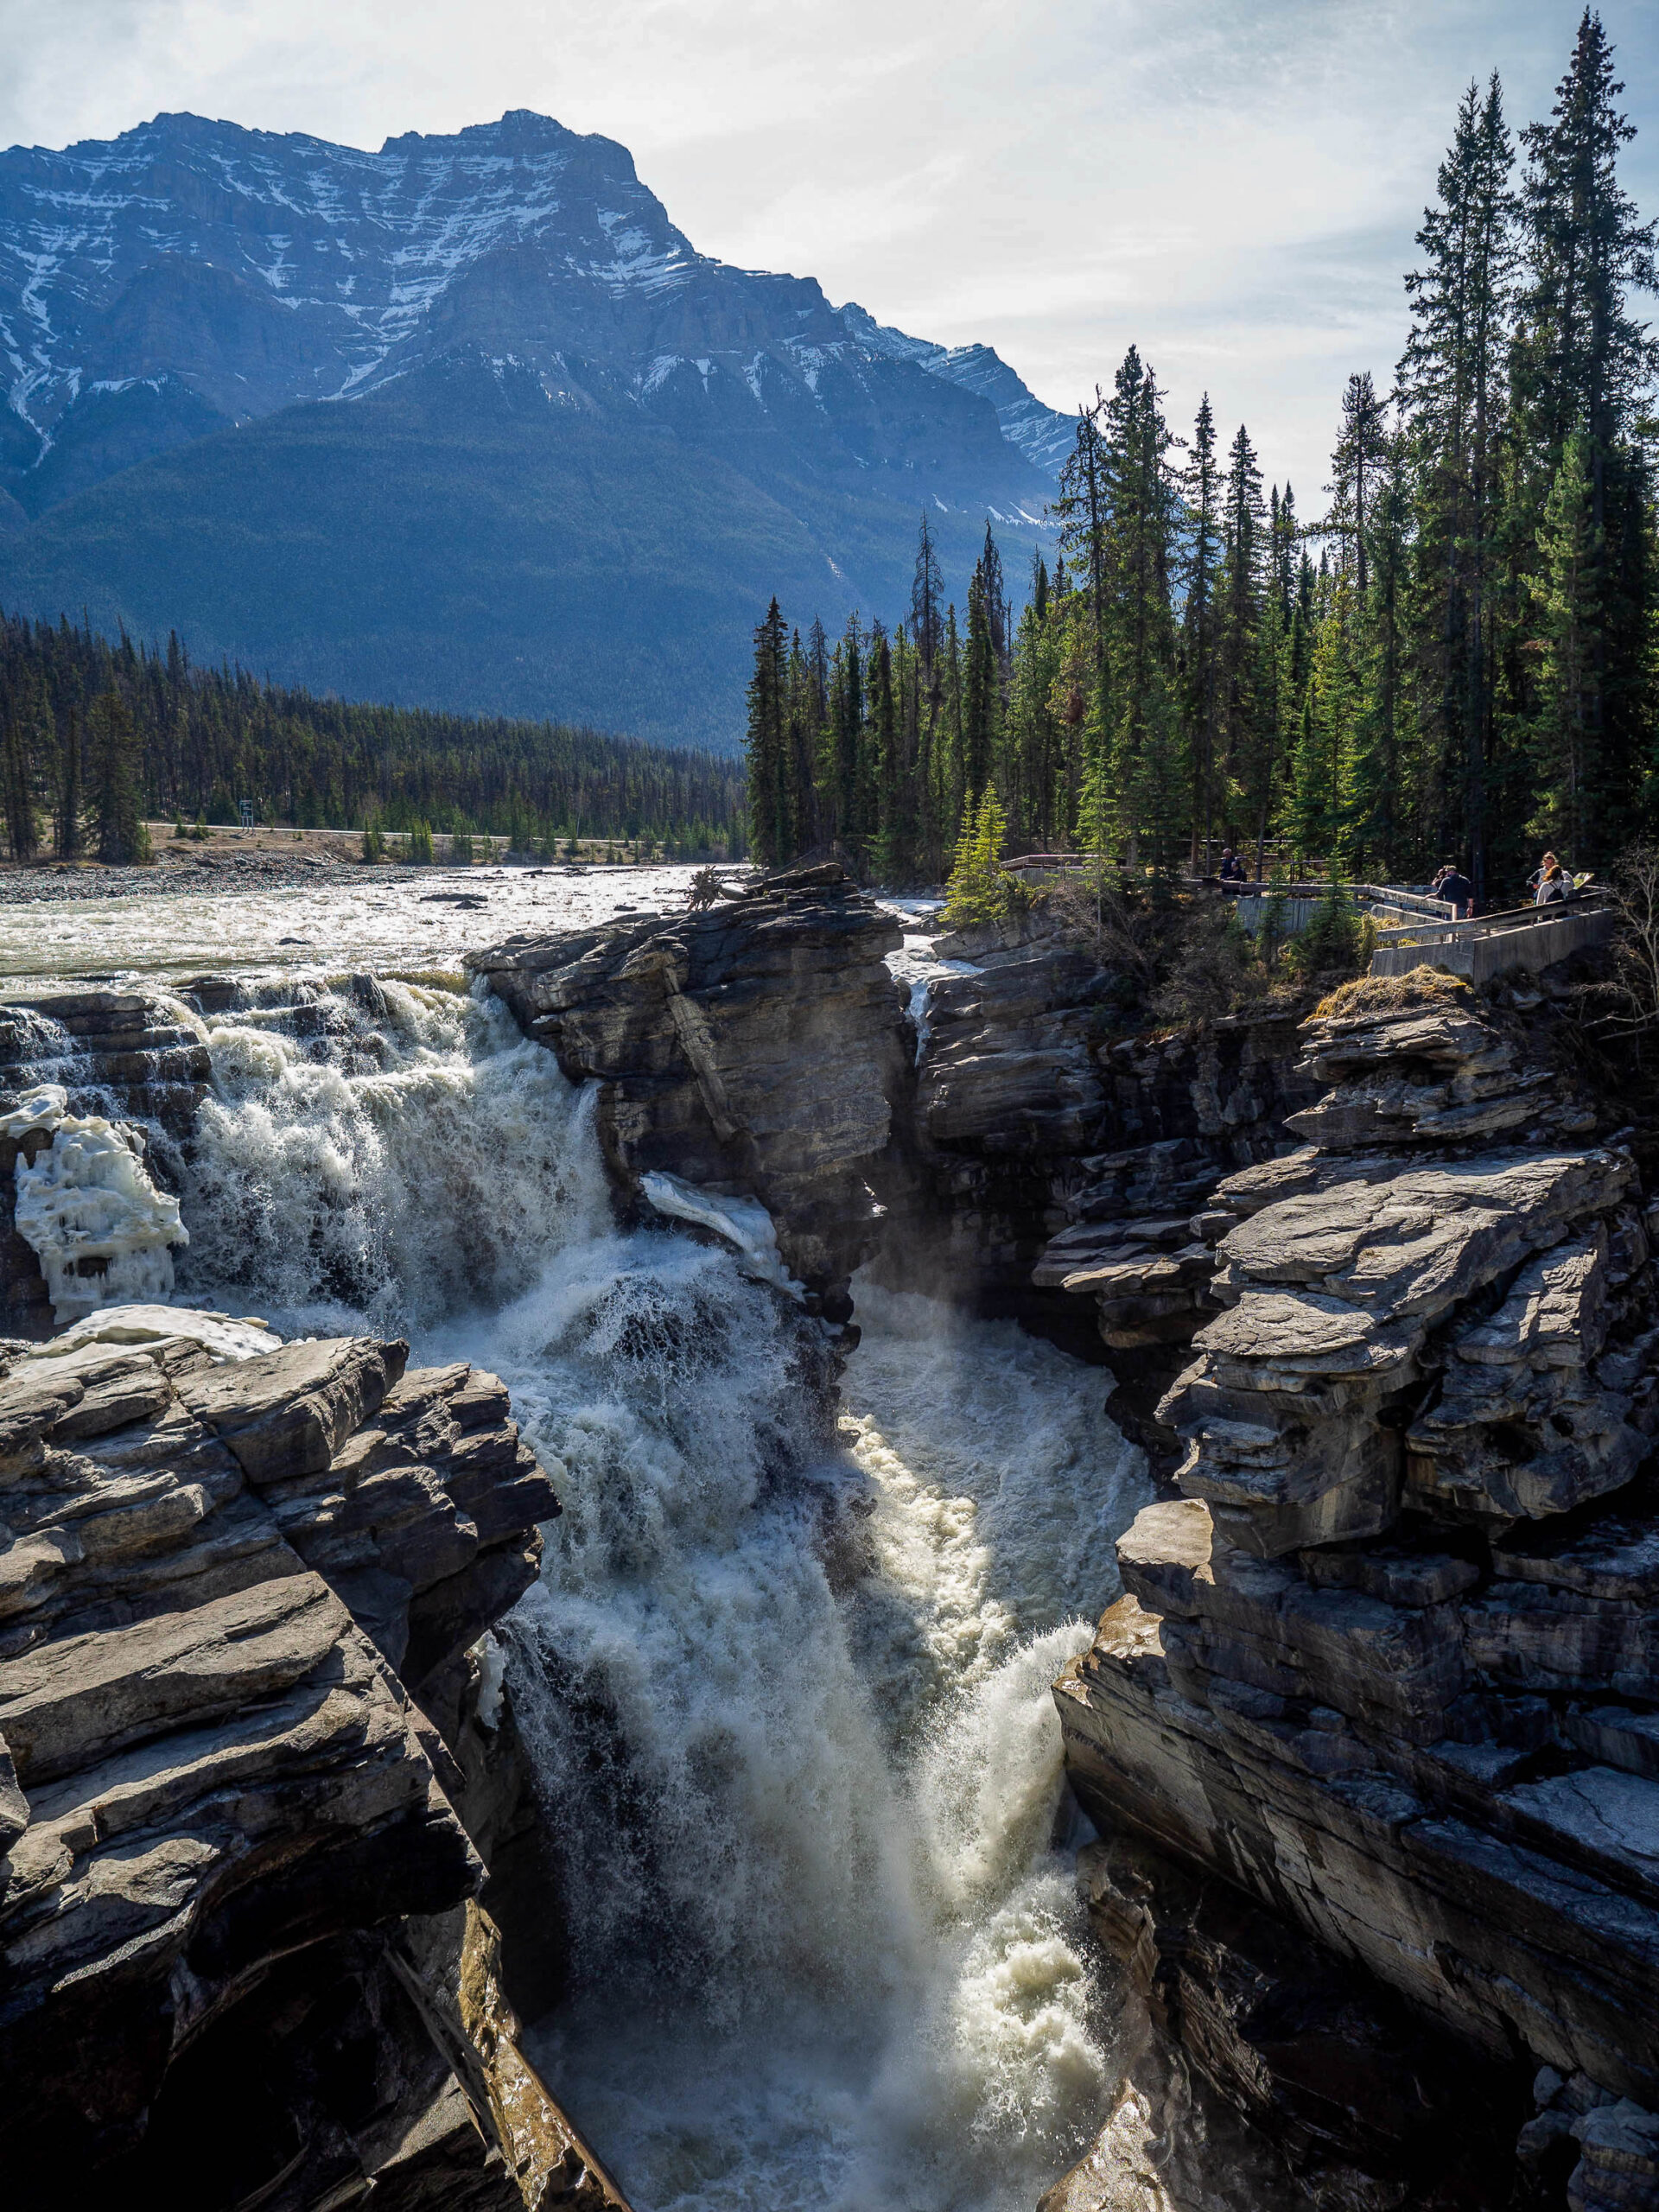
x=786, y=1689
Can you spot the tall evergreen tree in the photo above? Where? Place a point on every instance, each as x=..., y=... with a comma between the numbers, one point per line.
x=1244, y=517
x=1585, y=364
x=1138, y=720
x=69, y=829
x=1357, y=466
x=1452, y=381
x=846, y=735
x=771, y=830
x=926, y=600
x=1202, y=487
x=17, y=765
x=122, y=838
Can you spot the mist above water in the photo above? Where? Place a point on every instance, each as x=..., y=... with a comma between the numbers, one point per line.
x=787, y=1688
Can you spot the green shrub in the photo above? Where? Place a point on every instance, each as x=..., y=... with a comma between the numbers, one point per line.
x=979, y=890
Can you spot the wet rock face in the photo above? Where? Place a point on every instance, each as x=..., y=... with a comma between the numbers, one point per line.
x=1387, y=1663
x=237, y=1583
x=753, y=1050
x=1325, y=2067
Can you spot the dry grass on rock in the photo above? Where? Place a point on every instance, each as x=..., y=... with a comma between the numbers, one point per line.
x=1423, y=987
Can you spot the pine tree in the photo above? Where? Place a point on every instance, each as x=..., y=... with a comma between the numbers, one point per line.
x=122, y=836
x=1584, y=364
x=1243, y=516
x=770, y=826
x=1568, y=600
x=846, y=735
x=802, y=741
x=1357, y=466
x=884, y=769
x=22, y=821
x=953, y=793
x=1081, y=509
x=1144, y=508
x=1201, y=484
x=978, y=889
x=1452, y=382
x=926, y=593
x=69, y=832
x=1374, y=833
x=980, y=692
x=994, y=592
x=1035, y=748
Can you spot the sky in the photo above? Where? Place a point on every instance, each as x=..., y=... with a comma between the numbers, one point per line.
x=1230, y=185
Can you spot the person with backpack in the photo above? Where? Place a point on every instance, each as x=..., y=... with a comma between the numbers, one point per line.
x=1549, y=883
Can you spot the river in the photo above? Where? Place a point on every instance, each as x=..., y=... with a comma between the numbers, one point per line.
x=787, y=1690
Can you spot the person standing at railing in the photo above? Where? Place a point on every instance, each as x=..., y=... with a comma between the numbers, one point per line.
x=1455, y=887
x=1549, y=883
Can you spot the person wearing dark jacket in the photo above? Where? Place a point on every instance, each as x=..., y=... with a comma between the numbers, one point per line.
x=1232, y=868
x=1453, y=884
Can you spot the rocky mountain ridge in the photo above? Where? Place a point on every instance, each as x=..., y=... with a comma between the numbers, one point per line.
x=467, y=422
x=216, y=273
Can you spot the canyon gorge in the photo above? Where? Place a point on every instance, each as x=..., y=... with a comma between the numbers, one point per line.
x=766, y=1557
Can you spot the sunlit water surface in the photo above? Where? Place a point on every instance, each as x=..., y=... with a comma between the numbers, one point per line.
x=384, y=919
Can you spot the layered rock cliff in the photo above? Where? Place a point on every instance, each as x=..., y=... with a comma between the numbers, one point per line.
x=753, y=1050
x=1383, y=1664
x=247, y=1949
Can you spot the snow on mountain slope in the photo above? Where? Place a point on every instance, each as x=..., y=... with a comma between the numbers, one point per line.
x=190, y=274
x=1042, y=434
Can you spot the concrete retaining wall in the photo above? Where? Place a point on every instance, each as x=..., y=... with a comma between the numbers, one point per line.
x=1479, y=956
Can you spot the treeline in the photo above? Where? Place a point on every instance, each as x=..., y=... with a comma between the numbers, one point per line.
x=95, y=736
x=1454, y=659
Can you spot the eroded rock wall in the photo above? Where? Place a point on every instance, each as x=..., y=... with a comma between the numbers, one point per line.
x=243, y=1951
x=1384, y=1663
x=752, y=1049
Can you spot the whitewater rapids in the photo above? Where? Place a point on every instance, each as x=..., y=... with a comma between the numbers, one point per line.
x=787, y=1690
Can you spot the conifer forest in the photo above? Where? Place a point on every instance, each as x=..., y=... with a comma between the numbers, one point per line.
x=1449, y=654
x=94, y=738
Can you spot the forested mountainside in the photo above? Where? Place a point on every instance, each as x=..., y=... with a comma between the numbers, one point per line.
x=93, y=735
x=1455, y=657
x=563, y=456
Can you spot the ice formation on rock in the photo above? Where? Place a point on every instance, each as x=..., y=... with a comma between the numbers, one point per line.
x=744, y=1222
x=99, y=1227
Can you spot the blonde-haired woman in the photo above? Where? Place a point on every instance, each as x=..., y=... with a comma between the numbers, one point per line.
x=1549, y=883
